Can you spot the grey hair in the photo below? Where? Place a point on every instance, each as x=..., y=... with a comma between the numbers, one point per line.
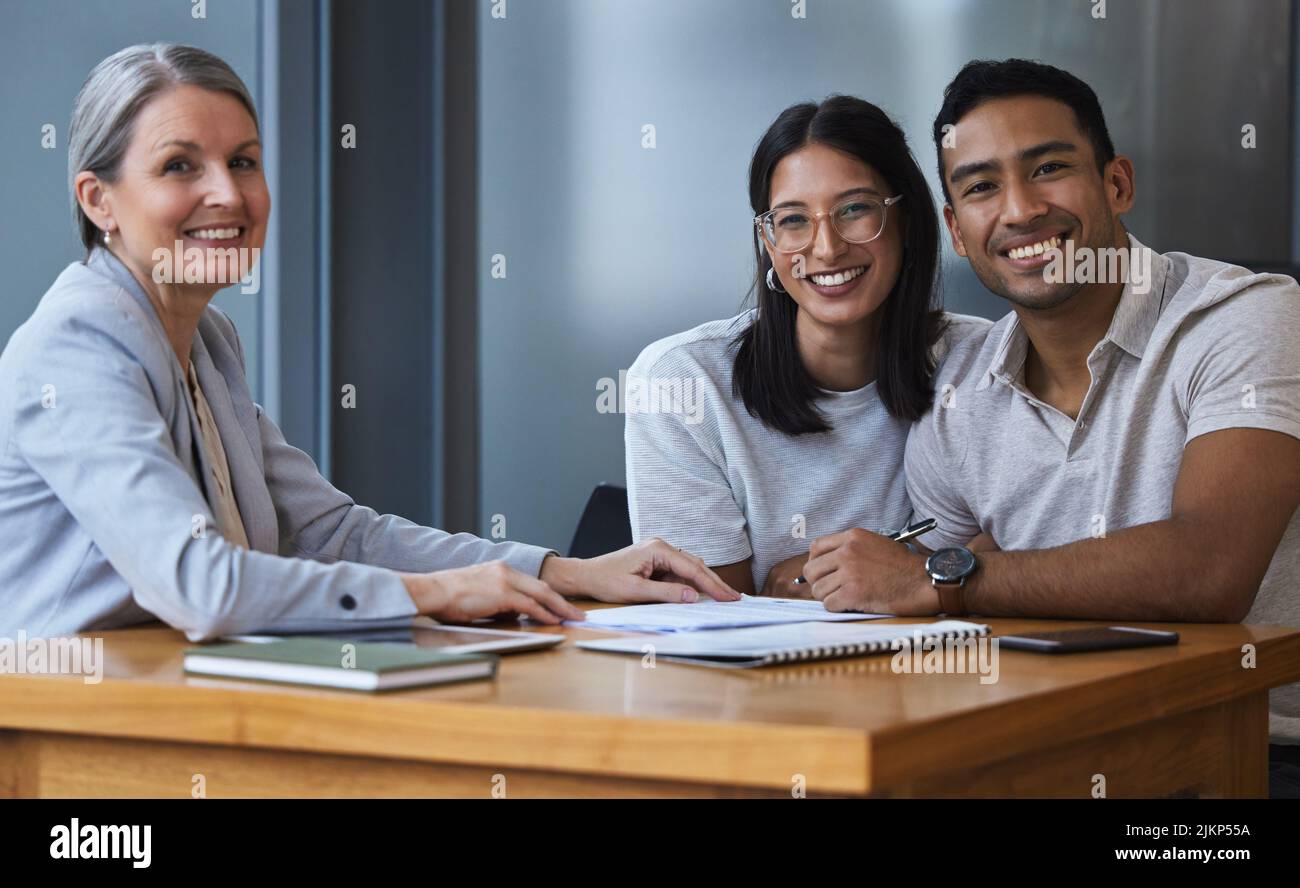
x=104, y=113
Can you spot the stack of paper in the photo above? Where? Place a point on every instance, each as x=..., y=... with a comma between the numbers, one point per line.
x=751, y=610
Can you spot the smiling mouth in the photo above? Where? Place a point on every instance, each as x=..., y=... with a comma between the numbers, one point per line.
x=1034, y=250
x=838, y=278
x=216, y=234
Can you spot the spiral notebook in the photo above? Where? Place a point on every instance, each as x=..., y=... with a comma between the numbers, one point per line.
x=788, y=643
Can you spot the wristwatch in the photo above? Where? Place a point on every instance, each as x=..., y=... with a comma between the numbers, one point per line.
x=948, y=569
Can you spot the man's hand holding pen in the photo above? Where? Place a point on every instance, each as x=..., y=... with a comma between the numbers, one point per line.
x=858, y=570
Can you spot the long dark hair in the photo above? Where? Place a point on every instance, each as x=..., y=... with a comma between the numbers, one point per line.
x=769, y=375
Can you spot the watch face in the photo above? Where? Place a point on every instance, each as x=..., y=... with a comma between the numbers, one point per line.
x=948, y=565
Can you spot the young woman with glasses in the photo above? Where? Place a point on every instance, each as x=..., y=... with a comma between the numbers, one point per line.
x=808, y=397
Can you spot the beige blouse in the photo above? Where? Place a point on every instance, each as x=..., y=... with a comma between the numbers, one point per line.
x=229, y=524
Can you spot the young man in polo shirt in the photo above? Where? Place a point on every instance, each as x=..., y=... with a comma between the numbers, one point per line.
x=1125, y=444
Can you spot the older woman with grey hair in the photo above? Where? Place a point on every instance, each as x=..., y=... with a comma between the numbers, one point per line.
x=138, y=480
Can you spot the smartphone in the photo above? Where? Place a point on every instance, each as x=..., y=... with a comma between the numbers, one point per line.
x=1094, y=638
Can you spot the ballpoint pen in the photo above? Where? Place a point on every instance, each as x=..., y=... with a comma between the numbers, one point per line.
x=907, y=533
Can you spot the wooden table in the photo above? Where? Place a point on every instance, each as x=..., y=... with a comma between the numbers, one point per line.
x=1185, y=720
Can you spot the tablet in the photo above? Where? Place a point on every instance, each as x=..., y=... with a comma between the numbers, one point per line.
x=437, y=636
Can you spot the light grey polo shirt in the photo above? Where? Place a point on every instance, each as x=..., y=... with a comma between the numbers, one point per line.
x=1208, y=346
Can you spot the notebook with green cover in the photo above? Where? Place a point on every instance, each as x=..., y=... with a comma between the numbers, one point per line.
x=338, y=663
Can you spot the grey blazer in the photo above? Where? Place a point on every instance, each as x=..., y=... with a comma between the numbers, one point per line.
x=104, y=515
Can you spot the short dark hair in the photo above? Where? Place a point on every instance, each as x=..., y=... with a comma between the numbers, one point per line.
x=981, y=80
x=768, y=374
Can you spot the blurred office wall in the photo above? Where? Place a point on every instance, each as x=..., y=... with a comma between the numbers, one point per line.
x=609, y=245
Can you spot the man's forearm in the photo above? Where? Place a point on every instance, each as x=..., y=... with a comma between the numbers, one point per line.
x=1162, y=571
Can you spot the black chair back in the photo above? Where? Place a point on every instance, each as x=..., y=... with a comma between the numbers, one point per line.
x=604, y=526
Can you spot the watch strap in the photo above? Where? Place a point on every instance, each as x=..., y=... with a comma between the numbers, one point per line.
x=951, y=599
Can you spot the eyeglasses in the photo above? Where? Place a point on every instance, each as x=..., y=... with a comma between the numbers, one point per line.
x=857, y=220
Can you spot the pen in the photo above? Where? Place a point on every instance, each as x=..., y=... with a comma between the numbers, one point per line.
x=907, y=533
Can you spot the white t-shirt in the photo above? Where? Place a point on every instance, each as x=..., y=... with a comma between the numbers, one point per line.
x=709, y=478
